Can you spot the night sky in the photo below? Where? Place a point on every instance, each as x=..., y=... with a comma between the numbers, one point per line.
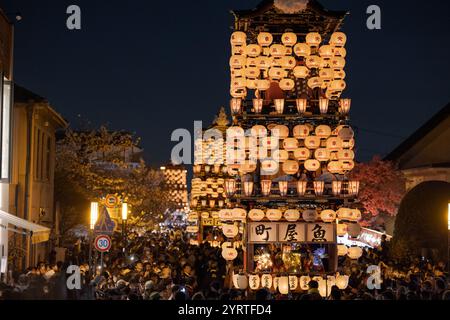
x=153, y=66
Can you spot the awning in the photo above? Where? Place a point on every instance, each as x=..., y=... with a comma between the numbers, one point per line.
x=38, y=233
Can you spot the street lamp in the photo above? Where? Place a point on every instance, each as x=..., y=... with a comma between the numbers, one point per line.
x=94, y=214
x=124, y=217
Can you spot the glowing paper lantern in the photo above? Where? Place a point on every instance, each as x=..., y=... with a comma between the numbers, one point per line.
x=293, y=283
x=283, y=285
x=326, y=51
x=313, y=39
x=304, y=282
x=322, y=154
x=280, y=131
x=342, y=281
x=266, y=281
x=309, y=215
x=292, y=215
x=240, y=281
x=301, y=72
x=236, y=105
x=277, y=50
x=290, y=144
x=344, y=106
x=274, y=214
x=301, y=131
x=301, y=105
x=269, y=167
x=336, y=187
x=230, y=187
x=289, y=38
x=290, y=167
x=328, y=215
x=238, y=38
x=280, y=155
x=353, y=187
x=229, y=254
x=262, y=85
x=338, y=39
x=287, y=84
x=318, y=187
x=253, y=50
x=354, y=253
x=302, y=50
x=257, y=105
x=323, y=105
x=264, y=39
x=302, y=154
x=279, y=105
x=312, y=142
x=341, y=229
x=266, y=186
x=301, y=187
x=230, y=230
x=192, y=229
x=254, y=281
x=276, y=73
x=312, y=62
x=312, y=165
x=342, y=250
x=256, y=214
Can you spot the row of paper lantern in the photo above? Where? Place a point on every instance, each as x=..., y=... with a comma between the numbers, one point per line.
x=291, y=215
x=287, y=283
x=301, y=131
x=289, y=39
x=215, y=167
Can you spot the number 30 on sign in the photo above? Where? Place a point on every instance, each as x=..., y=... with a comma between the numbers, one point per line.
x=102, y=243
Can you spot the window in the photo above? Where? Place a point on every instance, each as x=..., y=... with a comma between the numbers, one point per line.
x=6, y=104
x=37, y=154
x=48, y=158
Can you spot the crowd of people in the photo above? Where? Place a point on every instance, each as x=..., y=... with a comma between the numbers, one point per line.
x=164, y=266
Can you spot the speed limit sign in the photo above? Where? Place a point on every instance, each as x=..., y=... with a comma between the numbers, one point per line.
x=111, y=200
x=102, y=243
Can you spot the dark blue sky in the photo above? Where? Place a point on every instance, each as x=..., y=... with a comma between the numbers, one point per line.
x=154, y=66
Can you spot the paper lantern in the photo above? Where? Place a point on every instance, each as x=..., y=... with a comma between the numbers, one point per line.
x=336, y=187
x=239, y=214
x=354, y=253
x=309, y=215
x=301, y=72
x=301, y=131
x=266, y=281
x=226, y=214
x=342, y=281
x=322, y=154
x=283, y=285
x=251, y=72
x=274, y=214
x=341, y=229
x=289, y=38
x=279, y=105
x=344, y=106
x=290, y=167
x=230, y=187
x=347, y=165
x=266, y=186
x=283, y=188
x=269, y=167
x=301, y=187
x=280, y=155
x=339, y=74
x=258, y=131
x=253, y=50
x=247, y=166
x=236, y=105
x=337, y=63
x=256, y=214
x=353, y=230
x=287, y=62
x=340, y=52
x=240, y=281
x=192, y=229
x=264, y=39
x=356, y=215
x=276, y=281
x=312, y=165
x=302, y=50
x=312, y=142
x=302, y=154
x=254, y=281
x=313, y=39
x=318, y=187
x=257, y=105
x=263, y=63
x=353, y=187
x=338, y=39
x=301, y=105
x=280, y=131
x=286, y=84
x=238, y=38
x=326, y=51
x=323, y=131
x=251, y=62
x=238, y=92
x=293, y=283
x=334, y=143
x=230, y=230
x=345, y=132
x=235, y=132
x=342, y=250
x=290, y=144
x=276, y=73
x=229, y=254
x=292, y=215
x=277, y=50
x=205, y=215
x=345, y=155
x=262, y=85
x=304, y=282
x=323, y=105
x=312, y=62
x=237, y=61
x=328, y=215
x=344, y=213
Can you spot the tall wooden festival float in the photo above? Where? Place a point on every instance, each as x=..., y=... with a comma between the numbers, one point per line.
x=289, y=150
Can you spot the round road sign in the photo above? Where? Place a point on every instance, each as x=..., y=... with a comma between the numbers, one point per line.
x=102, y=243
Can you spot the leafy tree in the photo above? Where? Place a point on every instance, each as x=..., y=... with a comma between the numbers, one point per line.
x=381, y=189
x=93, y=163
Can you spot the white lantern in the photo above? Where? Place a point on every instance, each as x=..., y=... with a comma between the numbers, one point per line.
x=264, y=39
x=313, y=62
x=300, y=72
x=274, y=214
x=290, y=144
x=257, y=105
x=292, y=215
x=262, y=84
x=304, y=282
x=342, y=281
x=290, y=167
x=279, y=105
x=240, y=281
x=238, y=38
x=301, y=131
x=239, y=214
x=322, y=154
x=323, y=105
x=277, y=50
x=229, y=254
x=354, y=253
x=312, y=165
x=338, y=39
x=247, y=188
x=280, y=155
x=192, y=229
x=301, y=187
x=293, y=283
x=309, y=215
x=313, y=39
x=323, y=287
x=301, y=105
x=341, y=229
x=283, y=188
x=289, y=38
x=286, y=84
x=236, y=105
x=318, y=187
x=276, y=281
x=353, y=187
x=266, y=281
x=344, y=106
x=254, y=281
x=280, y=131
x=302, y=154
x=283, y=285
x=342, y=250
x=302, y=50
x=336, y=187
x=230, y=230
x=312, y=142
x=256, y=214
x=230, y=187
x=328, y=215
x=253, y=50
x=266, y=186
x=326, y=51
